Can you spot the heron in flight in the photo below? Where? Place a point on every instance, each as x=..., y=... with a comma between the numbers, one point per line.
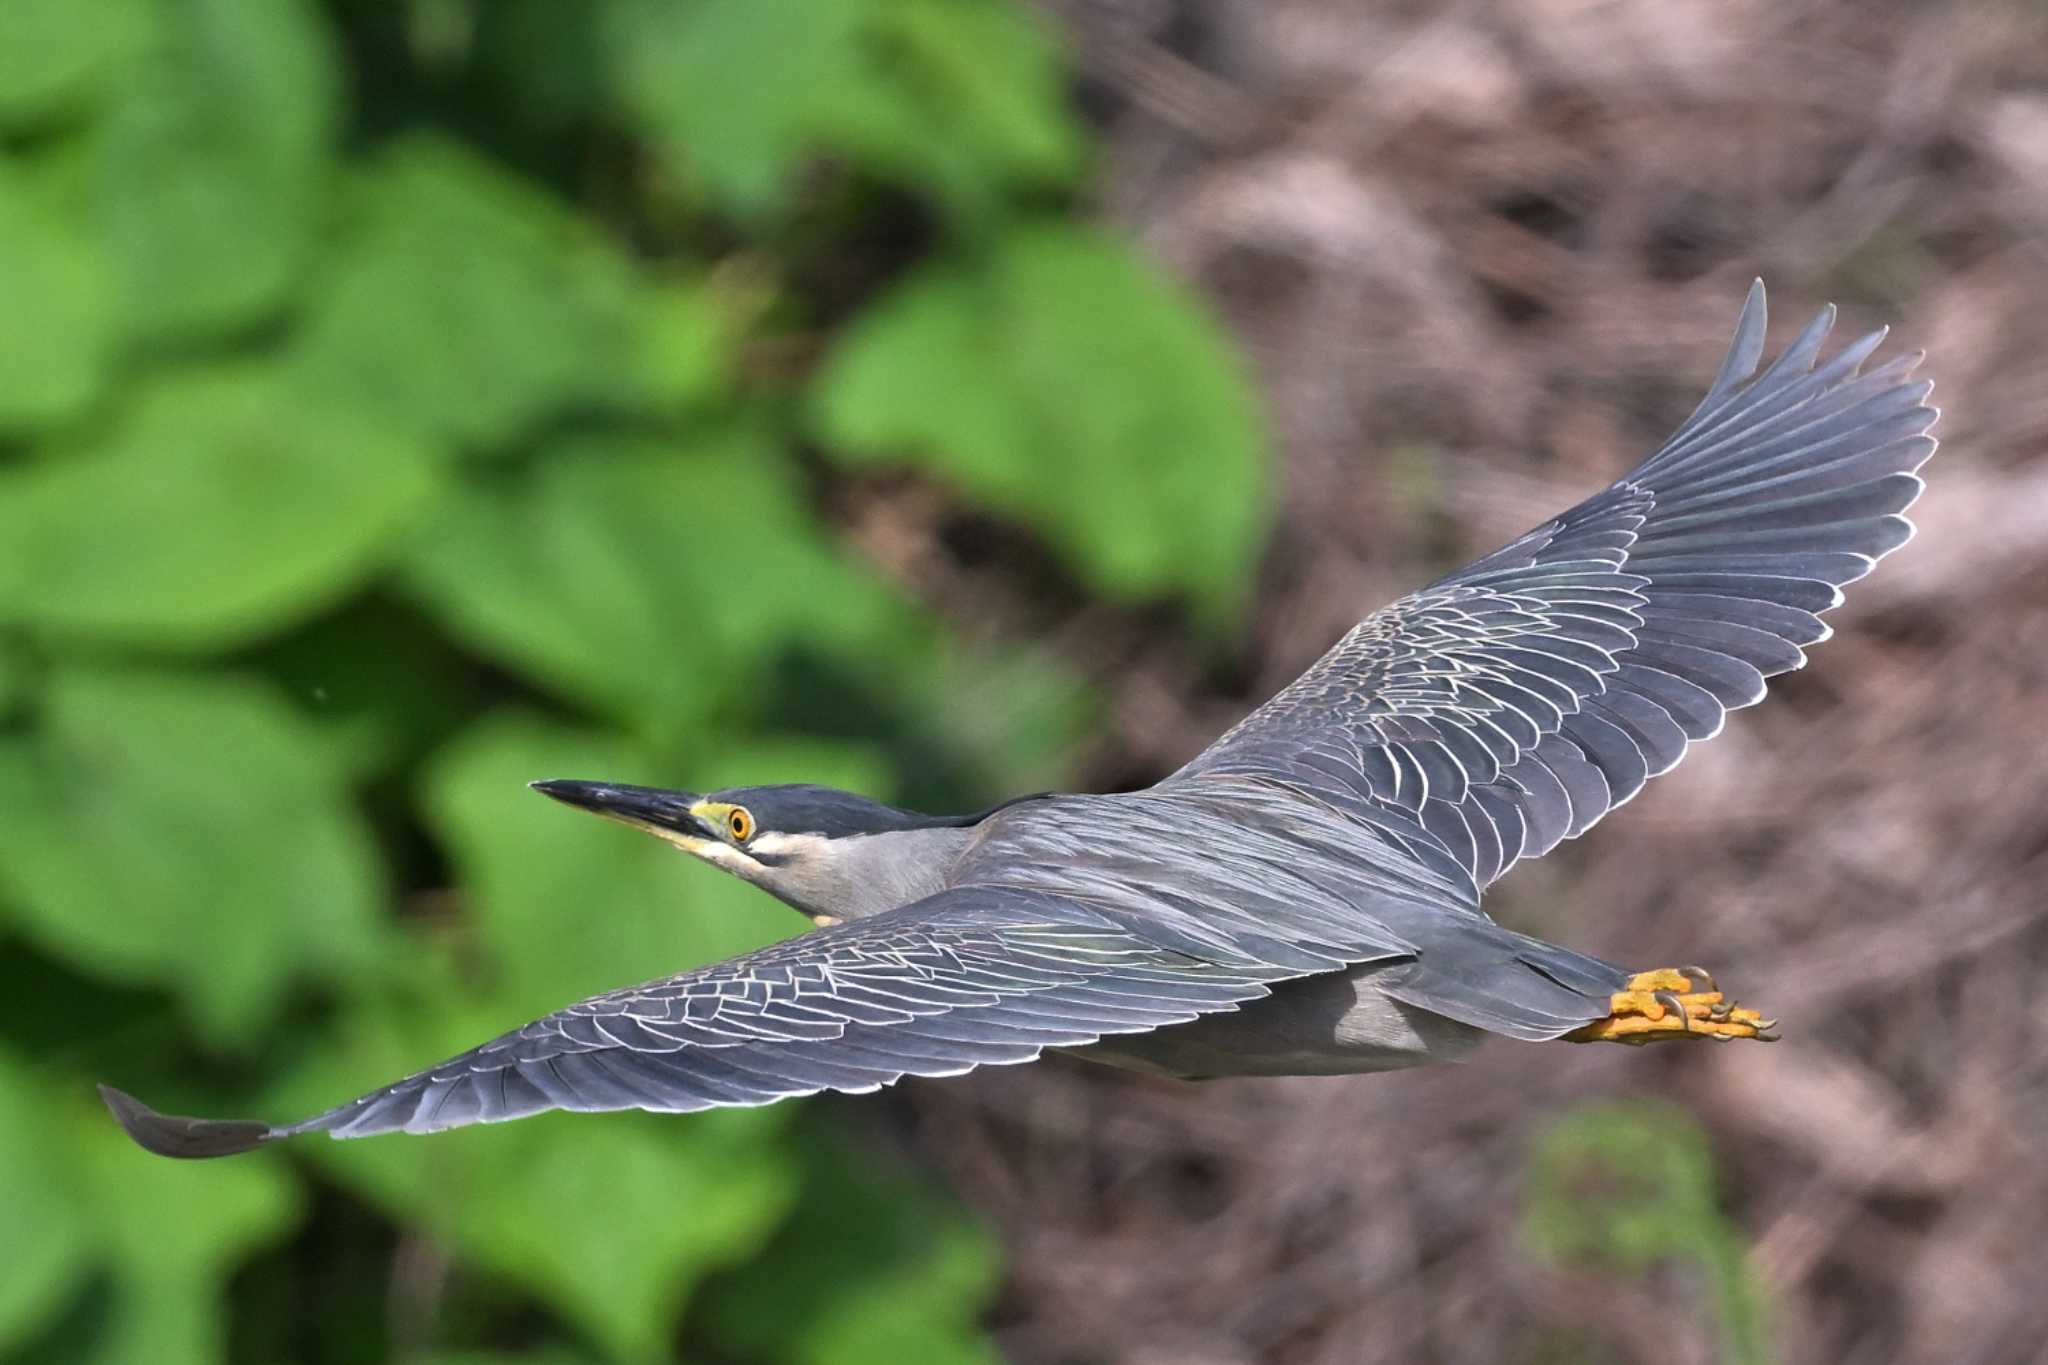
x=1304, y=896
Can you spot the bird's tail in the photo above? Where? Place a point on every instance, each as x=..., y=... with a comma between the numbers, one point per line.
x=1478, y=973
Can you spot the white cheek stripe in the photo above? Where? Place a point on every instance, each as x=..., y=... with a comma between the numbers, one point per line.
x=708, y=849
x=771, y=845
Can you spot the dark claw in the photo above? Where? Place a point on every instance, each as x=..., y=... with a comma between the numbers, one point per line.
x=1719, y=1013
x=1672, y=1003
x=1706, y=977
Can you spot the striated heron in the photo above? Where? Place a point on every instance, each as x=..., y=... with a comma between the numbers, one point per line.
x=1304, y=896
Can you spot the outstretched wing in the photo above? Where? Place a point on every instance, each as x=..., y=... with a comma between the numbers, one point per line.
x=970, y=977
x=1515, y=702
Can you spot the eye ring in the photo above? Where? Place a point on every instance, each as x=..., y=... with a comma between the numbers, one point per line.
x=740, y=823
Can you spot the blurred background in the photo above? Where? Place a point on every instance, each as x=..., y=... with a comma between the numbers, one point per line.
x=948, y=398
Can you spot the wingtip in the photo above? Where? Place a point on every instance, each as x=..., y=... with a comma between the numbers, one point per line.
x=1745, y=348
x=187, y=1138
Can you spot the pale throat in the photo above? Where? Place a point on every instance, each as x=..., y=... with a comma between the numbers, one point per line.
x=740, y=863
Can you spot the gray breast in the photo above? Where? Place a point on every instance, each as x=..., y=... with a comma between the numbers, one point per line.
x=865, y=874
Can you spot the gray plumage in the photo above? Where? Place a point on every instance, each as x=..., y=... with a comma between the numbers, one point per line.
x=1302, y=897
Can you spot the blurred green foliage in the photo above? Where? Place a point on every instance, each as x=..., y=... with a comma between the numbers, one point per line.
x=400, y=402
x=1620, y=1189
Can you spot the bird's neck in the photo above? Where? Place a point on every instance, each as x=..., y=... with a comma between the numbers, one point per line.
x=865, y=874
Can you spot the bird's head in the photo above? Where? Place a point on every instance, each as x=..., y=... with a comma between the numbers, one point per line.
x=832, y=854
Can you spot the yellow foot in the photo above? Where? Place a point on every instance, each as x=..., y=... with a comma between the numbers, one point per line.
x=1660, y=1005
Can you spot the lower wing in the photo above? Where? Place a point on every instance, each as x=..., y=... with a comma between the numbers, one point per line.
x=974, y=976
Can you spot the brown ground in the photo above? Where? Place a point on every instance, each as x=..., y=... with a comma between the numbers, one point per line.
x=1482, y=259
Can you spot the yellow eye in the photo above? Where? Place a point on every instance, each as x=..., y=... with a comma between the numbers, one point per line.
x=740, y=823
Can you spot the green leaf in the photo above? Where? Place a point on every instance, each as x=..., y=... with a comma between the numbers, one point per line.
x=60, y=55
x=909, y=1285
x=652, y=581
x=467, y=304
x=212, y=172
x=185, y=831
x=734, y=92
x=684, y=345
x=737, y=94
x=1004, y=123
x=1062, y=382
x=49, y=1253
x=57, y=329
x=220, y=507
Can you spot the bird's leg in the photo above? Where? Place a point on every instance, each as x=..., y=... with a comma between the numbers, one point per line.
x=1659, y=1005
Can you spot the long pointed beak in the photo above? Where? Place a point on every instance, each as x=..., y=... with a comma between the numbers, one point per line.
x=654, y=809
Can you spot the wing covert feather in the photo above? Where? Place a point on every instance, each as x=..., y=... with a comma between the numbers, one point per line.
x=1513, y=703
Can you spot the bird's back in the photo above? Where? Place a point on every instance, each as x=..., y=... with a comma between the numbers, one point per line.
x=1232, y=864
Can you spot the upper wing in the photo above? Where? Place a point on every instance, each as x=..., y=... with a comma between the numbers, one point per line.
x=969, y=977
x=1516, y=701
